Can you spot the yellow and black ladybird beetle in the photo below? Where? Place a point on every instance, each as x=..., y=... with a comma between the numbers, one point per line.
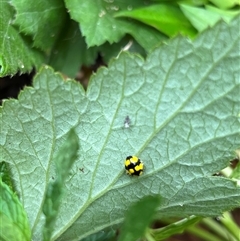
x=133, y=166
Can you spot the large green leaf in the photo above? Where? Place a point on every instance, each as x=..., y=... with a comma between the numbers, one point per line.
x=98, y=24
x=16, y=53
x=183, y=105
x=42, y=20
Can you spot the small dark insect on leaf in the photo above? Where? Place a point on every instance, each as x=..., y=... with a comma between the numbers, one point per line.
x=127, y=122
x=81, y=169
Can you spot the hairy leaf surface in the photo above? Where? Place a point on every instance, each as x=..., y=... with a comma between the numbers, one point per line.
x=183, y=109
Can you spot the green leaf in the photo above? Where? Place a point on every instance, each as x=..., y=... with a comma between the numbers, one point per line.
x=14, y=223
x=16, y=53
x=64, y=160
x=227, y=15
x=192, y=2
x=146, y=36
x=164, y=17
x=236, y=172
x=42, y=20
x=138, y=217
x=183, y=105
x=71, y=52
x=203, y=18
x=225, y=4
x=98, y=24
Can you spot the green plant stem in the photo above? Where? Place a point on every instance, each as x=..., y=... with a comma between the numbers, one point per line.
x=148, y=236
x=230, y=225
x=203, y=234
x=218, y=228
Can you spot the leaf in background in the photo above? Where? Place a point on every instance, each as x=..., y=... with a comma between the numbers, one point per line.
x=16, y=53
x=71, y=52
x=42, y=20
x=98, y=24
x=204, y=18
x=236, y=172
x=191, y=2
x=64, y=160
x=183, y=103
x=168, y=19
x=13, y=219
x=226, y=3
x=227, y=15
x=146, y=36
x=138, y=218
